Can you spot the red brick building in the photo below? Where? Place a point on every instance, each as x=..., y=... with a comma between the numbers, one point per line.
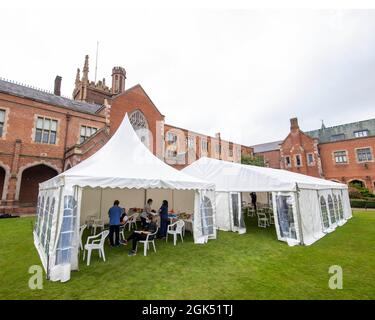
x=43, y=133
x=343, y=153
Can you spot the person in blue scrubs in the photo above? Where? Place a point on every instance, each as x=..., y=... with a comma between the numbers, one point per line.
x=114, y=224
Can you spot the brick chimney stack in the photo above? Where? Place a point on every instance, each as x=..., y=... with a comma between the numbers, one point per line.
x=294, y=124
x=57, y=88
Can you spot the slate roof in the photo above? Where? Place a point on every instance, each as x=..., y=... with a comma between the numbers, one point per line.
x=23, y=91
x=264, y=147
x=343, y=132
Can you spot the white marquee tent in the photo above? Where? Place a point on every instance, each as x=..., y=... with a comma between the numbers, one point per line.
x=306, y=208
x=122, y=169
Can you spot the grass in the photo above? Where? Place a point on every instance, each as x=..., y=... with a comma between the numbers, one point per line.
x=250, y=266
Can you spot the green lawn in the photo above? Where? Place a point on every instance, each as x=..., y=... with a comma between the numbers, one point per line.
x=250, y=266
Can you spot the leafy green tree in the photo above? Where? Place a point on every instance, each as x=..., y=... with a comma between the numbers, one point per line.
x=254, y=160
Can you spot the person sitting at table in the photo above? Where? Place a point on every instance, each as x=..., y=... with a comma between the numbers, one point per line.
x=124, y=217
x=141, y=235
x=146, y=212
x=163, y=211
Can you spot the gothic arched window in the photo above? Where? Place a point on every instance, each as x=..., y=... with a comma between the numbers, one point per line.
x=140, y=126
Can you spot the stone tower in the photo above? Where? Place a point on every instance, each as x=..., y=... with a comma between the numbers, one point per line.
x=118, y=80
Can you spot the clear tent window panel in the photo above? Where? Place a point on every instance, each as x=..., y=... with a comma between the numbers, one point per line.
x=331, y=209
x=235, y=208
x=37, y=219
x=336, y=204
x=49, y=226
x=287, y=227
x=324, y=212
x=45, y=218
x=41, y=214
x=66, y=237
x=341, y=209
x=207, y=217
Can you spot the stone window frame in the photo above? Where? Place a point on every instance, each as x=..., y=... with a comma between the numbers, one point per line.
x=290, y=161
x=337, y=137
x=371, y=151
x=340, y=163
x=190, y=142
x=6, y=122
x=313, y=163
x=87, y=126
x=204, y=142
x=33, y=131
x=170, y=135
x=300, y=159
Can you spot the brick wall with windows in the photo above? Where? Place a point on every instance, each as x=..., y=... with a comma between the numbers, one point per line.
x=33, y=138
x=299, y=153
x=349, y=160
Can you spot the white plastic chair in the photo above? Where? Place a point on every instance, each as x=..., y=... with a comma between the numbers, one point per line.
x=90, y=220
x=132, y=221
x=272, y=217
x=98, y=223
x=176, y=228
x=97, y=244
x=251, y=212
x=263, y=221
x=147, y=241
x=122, y=228
x=81, y=229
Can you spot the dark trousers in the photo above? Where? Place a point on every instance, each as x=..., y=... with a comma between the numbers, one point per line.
x=163, y=227
x=255, y=206
x=135, y=236
x=116, y=231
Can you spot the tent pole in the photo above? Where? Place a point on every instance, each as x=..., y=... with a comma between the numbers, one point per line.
x=145, y=196
x=173, y=200
x=101, y=199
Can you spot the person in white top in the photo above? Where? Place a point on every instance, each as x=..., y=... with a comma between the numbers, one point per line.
x=146, y=212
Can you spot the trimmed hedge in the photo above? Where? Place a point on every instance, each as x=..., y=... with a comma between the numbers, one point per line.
x=359, y=203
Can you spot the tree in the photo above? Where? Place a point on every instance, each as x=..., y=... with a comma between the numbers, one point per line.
x=253, y=160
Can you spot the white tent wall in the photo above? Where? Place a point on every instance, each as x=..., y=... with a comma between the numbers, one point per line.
x=45, y=224
x=222, y=216
x=291, y=201
x=346, y=204
x=158, y=195
x=204, y=216
x=64, y=241
x=246, y=197
x=183, y=200
x=311, y=222
x=93, y=199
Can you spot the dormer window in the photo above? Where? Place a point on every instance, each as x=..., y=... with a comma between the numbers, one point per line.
x=338, y=137
x=361, y=133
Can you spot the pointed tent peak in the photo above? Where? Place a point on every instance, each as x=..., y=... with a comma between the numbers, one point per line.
x=125, y=162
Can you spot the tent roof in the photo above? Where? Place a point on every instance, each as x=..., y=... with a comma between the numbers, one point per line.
x=229, y=176
x=125, y=162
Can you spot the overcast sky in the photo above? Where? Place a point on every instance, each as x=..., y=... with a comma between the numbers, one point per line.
x=243, y=73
